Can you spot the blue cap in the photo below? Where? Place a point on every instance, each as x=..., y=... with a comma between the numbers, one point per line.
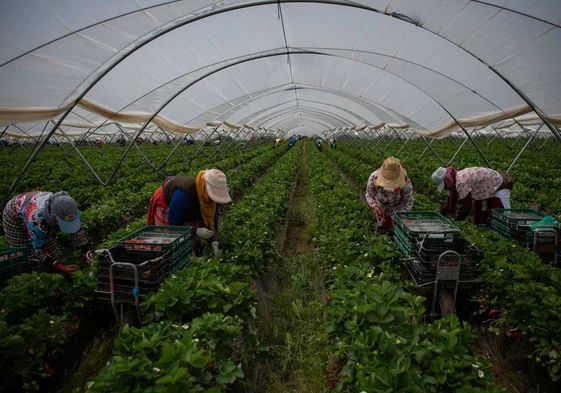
x=66, y=211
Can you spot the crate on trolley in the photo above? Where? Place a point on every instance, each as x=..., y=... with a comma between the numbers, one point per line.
x=14, y=261
x=438, y=232
x=519, y=225
x=140, y=262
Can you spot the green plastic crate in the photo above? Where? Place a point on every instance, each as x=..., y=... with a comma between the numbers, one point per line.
x=158, y=239
x=419, y=223
x=515, y=224
x=439, y=232
x=13, y=260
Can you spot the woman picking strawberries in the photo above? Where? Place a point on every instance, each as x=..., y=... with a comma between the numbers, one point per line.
x=388, y=191
x=192, y=201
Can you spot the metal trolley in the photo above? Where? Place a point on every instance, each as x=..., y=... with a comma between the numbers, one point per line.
x=440, y=275
x=440, y=262
x=138, y=264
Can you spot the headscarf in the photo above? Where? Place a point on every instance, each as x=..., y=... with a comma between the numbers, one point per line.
x=208, y=206
x=450, y=178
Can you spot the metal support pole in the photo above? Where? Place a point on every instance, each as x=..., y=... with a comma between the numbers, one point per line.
x=429, y=147
x=92, y=170
x=137, y=148
x=524, y=148
x=404, y=144
x=457, y=151
x=475, y=145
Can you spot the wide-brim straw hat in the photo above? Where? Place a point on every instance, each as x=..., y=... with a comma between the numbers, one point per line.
x=392, y=174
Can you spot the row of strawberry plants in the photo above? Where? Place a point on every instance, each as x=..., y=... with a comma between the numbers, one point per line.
x=512, y=281
x=52, y=170
x=107, y=215
x=199, y=336
x=379, y=343
x=79, y=289
x=519, y=296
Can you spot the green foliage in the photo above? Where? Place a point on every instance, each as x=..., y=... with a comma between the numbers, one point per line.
x=513, y=279
x=36, y=312
x=375, y=326
x=183, y=348
x=164, y=357
x=204, y=286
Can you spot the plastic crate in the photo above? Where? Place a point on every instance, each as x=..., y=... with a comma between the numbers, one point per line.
x=13, y=261
x=436, y=230
x=428, y=257
x=158, y=239
x=150, y=275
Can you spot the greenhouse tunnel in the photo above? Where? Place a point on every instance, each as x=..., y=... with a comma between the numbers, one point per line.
x=433, y=82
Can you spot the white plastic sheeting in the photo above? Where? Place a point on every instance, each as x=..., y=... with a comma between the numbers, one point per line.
x=425, y=64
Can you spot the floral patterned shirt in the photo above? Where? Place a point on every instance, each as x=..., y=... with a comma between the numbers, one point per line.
x=389, y=201
x=482, y=183
x=40, y=224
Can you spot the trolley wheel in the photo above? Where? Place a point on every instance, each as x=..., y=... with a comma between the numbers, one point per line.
x=446, y=303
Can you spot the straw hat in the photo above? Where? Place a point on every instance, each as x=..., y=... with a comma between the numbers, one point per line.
x=392, y=174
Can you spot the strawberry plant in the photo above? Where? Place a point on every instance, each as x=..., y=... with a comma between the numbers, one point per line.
x=204, y=286
x=197, y=357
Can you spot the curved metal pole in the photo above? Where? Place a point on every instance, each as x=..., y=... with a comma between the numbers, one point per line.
x=262, y=112
x=285, y=111
x=141, y=44
x=180, y=91
x=342, y=4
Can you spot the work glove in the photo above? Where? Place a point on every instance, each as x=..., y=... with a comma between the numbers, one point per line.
x=462, y=216
x=214, y=246
x=204, y=233
x=444, y=211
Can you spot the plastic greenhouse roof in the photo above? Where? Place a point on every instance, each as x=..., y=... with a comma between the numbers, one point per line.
x=429, y=65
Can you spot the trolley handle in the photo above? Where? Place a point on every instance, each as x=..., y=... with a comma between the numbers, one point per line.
x=106, y=253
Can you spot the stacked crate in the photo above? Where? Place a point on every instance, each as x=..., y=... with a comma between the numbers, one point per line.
x=424, y=237
x=168, y=249
x=515, y=224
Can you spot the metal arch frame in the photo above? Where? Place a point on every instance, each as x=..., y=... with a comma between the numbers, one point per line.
x=326, y=2
x=257, y=4
x=179, y=92
x=272, y=116
x=258, y=116
x=301, y=115
x=360, y=101
x=311, y=117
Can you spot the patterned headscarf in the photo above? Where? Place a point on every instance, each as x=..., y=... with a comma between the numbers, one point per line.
x=450, y=178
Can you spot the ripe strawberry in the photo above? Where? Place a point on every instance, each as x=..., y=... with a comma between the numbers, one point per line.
x=332, y=380
x=514, y=335
x=492, y=312
x=481, y=306
x=335, y=367
x=327, y=298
